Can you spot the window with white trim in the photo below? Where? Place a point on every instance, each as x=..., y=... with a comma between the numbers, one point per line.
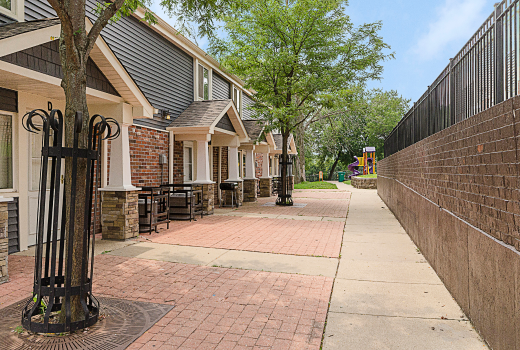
x=13, y=9
x=188, y=162
x=203, y=83
x=236, y=98
x=6, y=151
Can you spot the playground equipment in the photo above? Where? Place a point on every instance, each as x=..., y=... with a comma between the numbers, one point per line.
x=367, y=162
x=353, y=167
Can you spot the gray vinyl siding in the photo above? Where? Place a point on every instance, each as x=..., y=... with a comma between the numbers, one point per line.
x=13, y=227
x=5, y=19
x=38, y=9
x=162, y=71
x=247, y=114
x=221, y=88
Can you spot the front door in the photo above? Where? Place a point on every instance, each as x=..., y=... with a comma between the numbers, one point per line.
x=34, y=186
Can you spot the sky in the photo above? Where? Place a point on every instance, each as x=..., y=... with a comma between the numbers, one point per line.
x=423, y=34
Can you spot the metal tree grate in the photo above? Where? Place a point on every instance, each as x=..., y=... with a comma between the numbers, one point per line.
x=125, y=322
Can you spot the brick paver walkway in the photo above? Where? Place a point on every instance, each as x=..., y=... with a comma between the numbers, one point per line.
x=296, y=237
x=321, y=194
x=215, y=308
x=314, y=207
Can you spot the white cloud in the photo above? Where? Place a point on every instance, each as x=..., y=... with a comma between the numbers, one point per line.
x=456, y=21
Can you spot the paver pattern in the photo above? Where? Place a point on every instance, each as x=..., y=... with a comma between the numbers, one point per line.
x=215, y=308
x=314, y=207
x=20, y=285
x=321, y=194
x=295, y=237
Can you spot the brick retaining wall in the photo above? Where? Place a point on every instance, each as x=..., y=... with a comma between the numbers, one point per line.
x=457, y=195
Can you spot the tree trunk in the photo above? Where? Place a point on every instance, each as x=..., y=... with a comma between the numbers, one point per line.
x=299, y=164
x=331, y=173
x=74, y=85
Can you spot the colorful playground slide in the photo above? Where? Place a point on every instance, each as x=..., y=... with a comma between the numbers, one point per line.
x=353, y=167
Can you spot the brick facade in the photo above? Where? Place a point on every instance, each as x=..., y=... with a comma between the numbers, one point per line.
x=259, y=161
x=457, y=194
x=145, y=147
x=178, y=162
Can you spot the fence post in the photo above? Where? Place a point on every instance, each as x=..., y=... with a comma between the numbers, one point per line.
x=499, y=55
x=451, y=92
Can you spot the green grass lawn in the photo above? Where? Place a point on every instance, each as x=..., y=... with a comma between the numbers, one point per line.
x=348, y=182
x=369, y=176
x=320, y=185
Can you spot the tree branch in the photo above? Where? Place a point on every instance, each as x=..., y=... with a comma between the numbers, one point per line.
x=100, y=23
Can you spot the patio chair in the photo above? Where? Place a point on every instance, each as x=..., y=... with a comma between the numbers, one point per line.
x=154, y=208
x=186, y=201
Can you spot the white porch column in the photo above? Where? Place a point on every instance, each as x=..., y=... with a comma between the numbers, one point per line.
x=120, y=171
x=250, y=165
x=265, y=166
x=233, y=164
x=203, y=170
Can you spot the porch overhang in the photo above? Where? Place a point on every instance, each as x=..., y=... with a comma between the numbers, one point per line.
x=24, y=35
x=204, y=117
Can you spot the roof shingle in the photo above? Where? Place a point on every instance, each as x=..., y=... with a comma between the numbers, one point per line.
x=200, y=113
x=13, y=29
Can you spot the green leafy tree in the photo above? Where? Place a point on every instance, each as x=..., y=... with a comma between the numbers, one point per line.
x=75, y=45
x=340, y=137
x=292, y=53
x=386, y=109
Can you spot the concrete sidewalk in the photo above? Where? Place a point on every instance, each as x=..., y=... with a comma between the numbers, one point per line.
x=386, y=295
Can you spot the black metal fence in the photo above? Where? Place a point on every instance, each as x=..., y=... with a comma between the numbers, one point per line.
x=484, y=73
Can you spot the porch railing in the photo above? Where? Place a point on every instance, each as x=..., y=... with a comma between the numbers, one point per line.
x=484, y=73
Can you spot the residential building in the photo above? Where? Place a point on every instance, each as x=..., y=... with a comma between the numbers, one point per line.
x=171, y=99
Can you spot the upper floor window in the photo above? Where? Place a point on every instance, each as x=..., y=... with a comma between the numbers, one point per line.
x=203, y=83
x=13, y=9
x=236, y=98
x=7, y=4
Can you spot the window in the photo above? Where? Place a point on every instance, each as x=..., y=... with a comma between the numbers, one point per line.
x=203, y=83
x=7, y=4
x=188, y=162
x=236, y=98
x=13, y=9
x=6, y=150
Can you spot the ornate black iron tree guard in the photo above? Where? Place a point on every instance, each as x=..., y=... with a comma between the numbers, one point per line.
x=53, y=270
x=285, y=200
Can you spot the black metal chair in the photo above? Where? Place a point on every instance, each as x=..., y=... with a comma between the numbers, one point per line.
x=154, y=208
x=225, y=188
x=186, y=201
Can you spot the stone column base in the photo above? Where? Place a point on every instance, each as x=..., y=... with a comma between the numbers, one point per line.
x=266, y=187
x=208, y=203
x=4, y=242
x=119, y=215
x=250, y=187
x=240, y=194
